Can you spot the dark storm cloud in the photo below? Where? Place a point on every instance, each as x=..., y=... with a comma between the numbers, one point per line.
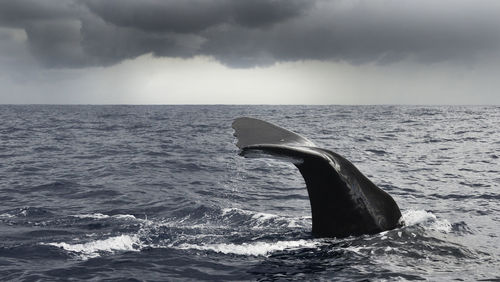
x=64, y=33
x=194, y=15
x=17, y=13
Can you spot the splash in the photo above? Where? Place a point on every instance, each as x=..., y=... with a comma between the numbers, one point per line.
x=252, y=249
x=150, y=229
x=258, y=220
x=252, y=214
x=94, y=216
x=103, y=216
x=425, y=219
x=94, y=248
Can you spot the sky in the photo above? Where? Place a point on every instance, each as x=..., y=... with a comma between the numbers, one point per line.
x=250, y=52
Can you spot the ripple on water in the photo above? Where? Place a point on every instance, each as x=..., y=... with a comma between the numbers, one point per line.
x=159, y=193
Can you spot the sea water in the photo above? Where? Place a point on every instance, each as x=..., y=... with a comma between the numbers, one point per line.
x=160, y=193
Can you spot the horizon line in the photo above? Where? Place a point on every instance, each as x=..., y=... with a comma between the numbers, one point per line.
x=228, y=104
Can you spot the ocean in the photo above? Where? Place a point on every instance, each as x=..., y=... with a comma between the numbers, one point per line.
x=159, y=193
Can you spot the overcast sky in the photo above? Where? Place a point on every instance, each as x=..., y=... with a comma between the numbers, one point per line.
x=250, y=52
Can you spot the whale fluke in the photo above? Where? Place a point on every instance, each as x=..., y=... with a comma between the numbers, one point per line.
x=251, y=131
x=343, y=201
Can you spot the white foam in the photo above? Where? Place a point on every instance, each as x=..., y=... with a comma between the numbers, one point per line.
x=293, y=223
x=262, y=218
x=254, y=215
x=92, y=249
x=354, y=249
x=253, y=249
x=124, y=216
x=358, y=250
x=426, y=219
x=93, y=215
x=442, y=226
x=6, y=215
x=103, y=216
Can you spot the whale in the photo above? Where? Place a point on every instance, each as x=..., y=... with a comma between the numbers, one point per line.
x=343, y=201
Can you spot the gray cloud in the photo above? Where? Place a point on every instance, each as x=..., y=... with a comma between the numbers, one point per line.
x=194, y=15
x=79, y=33
x=25, y=12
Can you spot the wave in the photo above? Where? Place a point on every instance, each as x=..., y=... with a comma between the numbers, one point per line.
x=94, y=248
x=34, y=212
x=252, y=249
x=6, y=215
x=207, y=233
x=102, y=216
x=425, y=219
x=258, y=220
x=212, y=235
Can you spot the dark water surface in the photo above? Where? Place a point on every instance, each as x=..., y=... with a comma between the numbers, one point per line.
x=159, y=193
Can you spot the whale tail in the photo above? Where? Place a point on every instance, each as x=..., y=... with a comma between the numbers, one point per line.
x=252, y=131
x=343, y=201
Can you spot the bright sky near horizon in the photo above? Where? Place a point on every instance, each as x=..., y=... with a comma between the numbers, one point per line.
x=249, y=52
